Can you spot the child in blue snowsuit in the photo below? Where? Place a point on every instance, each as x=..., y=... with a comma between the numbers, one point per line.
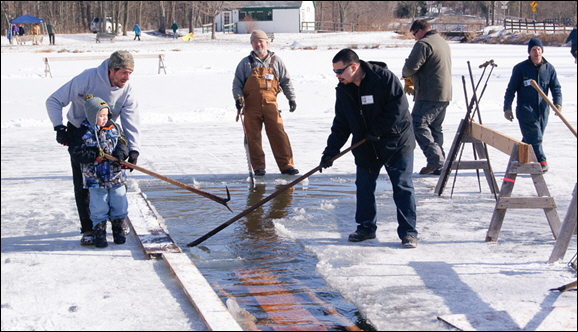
x=105, y=179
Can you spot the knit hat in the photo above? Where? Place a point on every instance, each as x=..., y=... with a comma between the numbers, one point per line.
x=535, y=42
x=92, y=106
x=121, y=59
x=258, y=34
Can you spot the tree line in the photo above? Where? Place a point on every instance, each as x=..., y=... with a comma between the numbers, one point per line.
x=76, y=16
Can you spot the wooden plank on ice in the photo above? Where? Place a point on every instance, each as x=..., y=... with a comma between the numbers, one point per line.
x=142, y=217
x=201, y=294
x=561, y=318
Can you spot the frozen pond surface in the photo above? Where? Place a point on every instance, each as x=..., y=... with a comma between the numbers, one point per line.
x=271, y=276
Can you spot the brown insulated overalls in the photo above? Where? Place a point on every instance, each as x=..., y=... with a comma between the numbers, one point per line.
x=260, y=93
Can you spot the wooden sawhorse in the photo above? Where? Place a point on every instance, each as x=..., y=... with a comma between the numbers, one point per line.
x=543, y=201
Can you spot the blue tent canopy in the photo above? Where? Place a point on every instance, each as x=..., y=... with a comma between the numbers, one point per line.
x=26, y=19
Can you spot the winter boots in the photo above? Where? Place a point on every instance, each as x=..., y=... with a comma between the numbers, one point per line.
x=118, y=231
x=100, y=235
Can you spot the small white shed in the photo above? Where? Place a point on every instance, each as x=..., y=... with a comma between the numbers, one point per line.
x=269, y=16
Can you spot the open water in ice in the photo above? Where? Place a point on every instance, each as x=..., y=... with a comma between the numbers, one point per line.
x=270, y=276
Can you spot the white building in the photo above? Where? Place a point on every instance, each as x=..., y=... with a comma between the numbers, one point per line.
x=269, y=16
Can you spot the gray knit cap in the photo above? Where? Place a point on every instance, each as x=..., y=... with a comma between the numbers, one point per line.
x=121, y=59
x=92, y=106
x=258, y=34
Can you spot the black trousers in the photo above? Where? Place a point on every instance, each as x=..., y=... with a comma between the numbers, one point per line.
x=81, y=195
x=51, y=38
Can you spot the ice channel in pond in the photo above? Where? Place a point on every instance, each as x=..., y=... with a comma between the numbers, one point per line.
x=255, y=265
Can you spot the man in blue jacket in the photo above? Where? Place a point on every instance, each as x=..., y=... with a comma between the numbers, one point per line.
x=531, y=110
x=371, y=104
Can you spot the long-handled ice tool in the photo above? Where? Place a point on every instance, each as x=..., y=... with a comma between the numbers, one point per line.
x=268, y=198
x=176, y=183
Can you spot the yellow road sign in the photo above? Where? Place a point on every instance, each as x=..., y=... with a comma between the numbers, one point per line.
x=534, y=4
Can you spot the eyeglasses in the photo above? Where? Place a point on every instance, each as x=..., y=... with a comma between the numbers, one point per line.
x=340, y=71
x=415, y=32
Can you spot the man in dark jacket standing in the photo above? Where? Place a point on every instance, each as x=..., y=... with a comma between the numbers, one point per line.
x=371, y=104
x=430, y=66
x=531, y=110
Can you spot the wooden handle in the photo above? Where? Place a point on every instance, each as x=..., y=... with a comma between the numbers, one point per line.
x=543, y=95
x=171, y=181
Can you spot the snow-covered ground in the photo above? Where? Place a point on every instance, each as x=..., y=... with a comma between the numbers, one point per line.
x=189, y=132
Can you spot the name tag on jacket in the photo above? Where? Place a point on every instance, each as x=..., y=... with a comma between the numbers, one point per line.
x=366, y=100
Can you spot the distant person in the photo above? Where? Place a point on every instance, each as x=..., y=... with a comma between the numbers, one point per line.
x=14, y=30
x=109, y=81
x=51, y=31
x=572, y=38
x=21, y=31
x=36, y=29
x=371, y=104
x=430, y=66
x=136, y=30
x=531, y=110
x=175, y=27
x=258, y=79
x=35, y=32
x=9, y=36
x=104, y=179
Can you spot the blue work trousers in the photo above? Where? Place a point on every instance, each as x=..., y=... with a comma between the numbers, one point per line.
x=533, y=128
x=403, y=195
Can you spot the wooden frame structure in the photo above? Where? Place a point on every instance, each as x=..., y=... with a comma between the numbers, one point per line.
x=47, y=60
x=522, y=161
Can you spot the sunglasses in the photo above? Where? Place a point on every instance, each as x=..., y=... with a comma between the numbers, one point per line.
x=415, y=32
x=340, y=71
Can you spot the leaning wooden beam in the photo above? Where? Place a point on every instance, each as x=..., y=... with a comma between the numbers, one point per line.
x=157, y=243
x=201, y=294
x=498, y=140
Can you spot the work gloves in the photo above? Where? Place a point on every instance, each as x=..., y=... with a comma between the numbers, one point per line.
x=408, y=86
x=239, y=104
x=133, y=157
x=325, y=162
x=292, y=106
x=509, y=115
x=121, y=151
x=61, y=134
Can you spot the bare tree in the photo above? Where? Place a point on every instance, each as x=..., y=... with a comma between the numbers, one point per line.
x=162, y=16
x=212, y=9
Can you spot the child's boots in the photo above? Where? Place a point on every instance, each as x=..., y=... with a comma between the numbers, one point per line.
x=100, y=235
x=118, y=231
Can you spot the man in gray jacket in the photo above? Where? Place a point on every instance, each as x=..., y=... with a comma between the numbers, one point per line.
x=430, y=66
x=109, y=81
x=258, y=79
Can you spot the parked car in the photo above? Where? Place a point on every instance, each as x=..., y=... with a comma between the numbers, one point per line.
x=95, y=27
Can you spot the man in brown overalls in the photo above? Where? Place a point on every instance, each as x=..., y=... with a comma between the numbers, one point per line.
x=258, y=79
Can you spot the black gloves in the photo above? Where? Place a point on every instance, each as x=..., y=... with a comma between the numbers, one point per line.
x=292, y=106
x=509, y=115
x=121, y=152
x=132, y=157
x=239, y=104
x=61, y=134
x=372, y=138
x=325, y=162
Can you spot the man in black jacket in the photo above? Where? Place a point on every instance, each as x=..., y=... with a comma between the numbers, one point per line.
x=371, y=104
